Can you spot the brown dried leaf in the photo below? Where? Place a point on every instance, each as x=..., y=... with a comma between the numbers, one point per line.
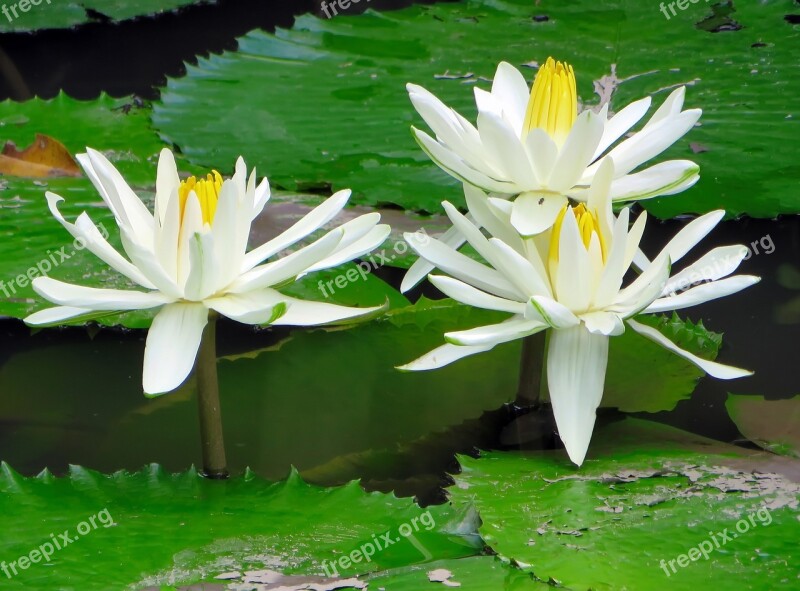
x=44, y=158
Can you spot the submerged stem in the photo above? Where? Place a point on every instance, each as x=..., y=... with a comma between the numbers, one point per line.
x=215, y=465
x=532, y=369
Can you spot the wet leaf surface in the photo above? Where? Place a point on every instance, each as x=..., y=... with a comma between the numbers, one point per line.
x=770, y=424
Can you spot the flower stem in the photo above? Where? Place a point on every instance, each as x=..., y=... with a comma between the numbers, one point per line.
x=532, y=367
x=211, y=437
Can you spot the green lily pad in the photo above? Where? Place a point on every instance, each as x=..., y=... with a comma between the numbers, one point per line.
x=771, y=424
x=186, y=529
x=652, y=508
x=33, y=15
x=347, y=119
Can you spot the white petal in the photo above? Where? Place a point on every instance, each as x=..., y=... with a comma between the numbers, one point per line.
x=55, y=315
x=644, y=290
x=361, y=235
x=691, y=234
x=650, y=142
x=306, y=313
x=205, y=269
x=716, y=264
x=529, y=277
x=421, y=267
x=543, y=153
x=577, y=152
x=167, y=182
x=501, y=140
x=125, y=204
x=615, y=269
x=84, y=229
x=230, y=229
x=172, y=344
x=511, y=91
x=603, y=323
x=670, y=107
x=92, y=298
x=464, y=268
x=451, y=163
x=255, y=307
x=466, y=294
x=261, y=196
x=441, y=356
x=703, y=293
x=576, y=373
x=494, y=334
x=485, y=216
x=534, y=213
x=571, y=276
x=308, y=224
x=552, y=313
x=288, y=267
x=665, y=178
x=717, y=370
x=620, y=123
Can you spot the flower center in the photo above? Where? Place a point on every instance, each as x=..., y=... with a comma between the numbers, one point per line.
x=588, y=225
x=553, y=104
x=207, y=191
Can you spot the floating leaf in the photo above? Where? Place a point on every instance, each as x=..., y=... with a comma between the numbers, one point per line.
x=647, y=499
x=187, y=529
x=62, y=14
x=771, y=424
x=347, y=121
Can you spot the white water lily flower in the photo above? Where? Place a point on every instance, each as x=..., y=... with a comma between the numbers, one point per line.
x=570, y=281
x=534, y=145
x=190, y=257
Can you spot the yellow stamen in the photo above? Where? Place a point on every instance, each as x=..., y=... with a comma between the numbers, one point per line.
x=588, y=225
x=207, y=191
x=553, y=104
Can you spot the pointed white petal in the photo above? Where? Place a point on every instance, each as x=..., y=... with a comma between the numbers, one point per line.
x=576, y=373
x=533, y=213
x=451, y=163
x=288, y=267
x=306, y=313
x=255, y=307
x=464, y=268
x=466, y=294
x=441, y=356
x=543, y=153
x=621, y=123
x=665, y=178
x=670, y=107
x=361, y=235
x=205, y=268
x=530, y=278
x=172, y=344
x=691, y=234
x=78, y=296
x=308, y=224
x=511, y=91
x=550, y=312
x=501, y=140
x=421, y=268
x=494, y=334
x=615, y=269
x=84, y=229
x=230, y=229
x=577, y=152
x=56, y=315
x=703, y=293
x=717, y=370
x=167, y=182
x=485, y=216
x=603, y=323
x=716, y=264
x=644, y=290
x=571, y=276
